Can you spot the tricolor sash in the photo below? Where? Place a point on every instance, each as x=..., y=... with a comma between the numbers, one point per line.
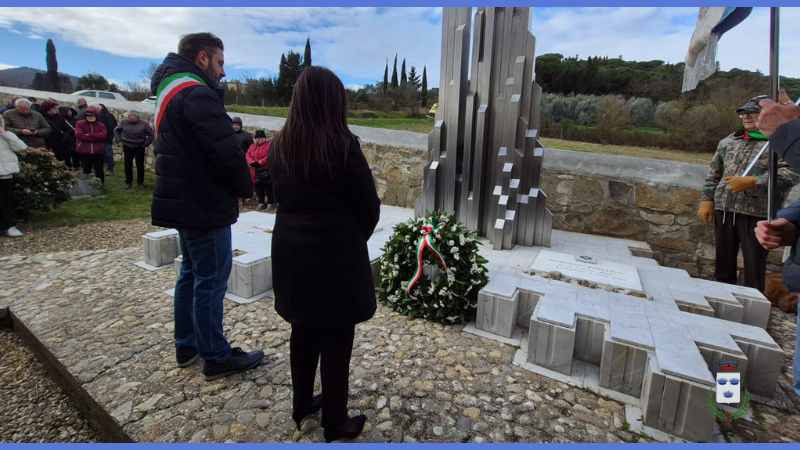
x=168, y=88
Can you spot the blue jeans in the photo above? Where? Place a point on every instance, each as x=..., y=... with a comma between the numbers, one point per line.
x=199, y=290
x=796, y=360
x=109, y=156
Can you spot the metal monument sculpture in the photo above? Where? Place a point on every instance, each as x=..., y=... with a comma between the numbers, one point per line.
x=485, y=157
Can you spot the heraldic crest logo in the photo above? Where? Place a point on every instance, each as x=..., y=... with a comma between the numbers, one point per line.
x=729, y=390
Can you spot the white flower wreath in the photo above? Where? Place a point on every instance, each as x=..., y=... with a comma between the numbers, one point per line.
x=452, y=297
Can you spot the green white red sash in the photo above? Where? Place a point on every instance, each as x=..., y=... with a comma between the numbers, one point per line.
x=425, y=241
x=169, y=87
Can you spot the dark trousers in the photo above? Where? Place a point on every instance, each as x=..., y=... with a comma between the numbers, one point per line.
x=129, y=154
x=334, y=346
x=69, y=157
x=74, y=160
x=731, y=232
x=94, y=161
x=8, y=218
x=262, y=190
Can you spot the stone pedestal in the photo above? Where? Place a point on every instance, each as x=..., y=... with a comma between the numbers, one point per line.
x=652, y=335
x=160, y=248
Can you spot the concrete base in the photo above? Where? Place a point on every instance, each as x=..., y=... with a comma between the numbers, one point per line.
x=160, y=248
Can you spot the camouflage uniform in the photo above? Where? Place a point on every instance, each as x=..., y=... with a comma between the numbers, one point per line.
x=733, y=155
x=736, y=215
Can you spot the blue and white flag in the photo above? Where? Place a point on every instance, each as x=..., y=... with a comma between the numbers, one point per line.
x=712, y=23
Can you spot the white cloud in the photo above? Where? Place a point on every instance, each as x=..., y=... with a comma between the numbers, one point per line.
x=355, y=42
x=34, y=36
x=352, y=86
x=6, y=66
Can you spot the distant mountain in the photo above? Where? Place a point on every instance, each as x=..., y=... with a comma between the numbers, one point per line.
x=22, y=77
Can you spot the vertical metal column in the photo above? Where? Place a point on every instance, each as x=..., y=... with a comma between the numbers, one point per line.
x=774, y=32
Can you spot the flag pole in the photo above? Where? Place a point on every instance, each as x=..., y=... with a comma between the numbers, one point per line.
x=774, y=19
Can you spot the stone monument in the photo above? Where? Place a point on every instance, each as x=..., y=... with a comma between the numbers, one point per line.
x=485, y=157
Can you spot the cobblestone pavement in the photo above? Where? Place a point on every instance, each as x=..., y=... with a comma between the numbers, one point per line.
x=109, y=324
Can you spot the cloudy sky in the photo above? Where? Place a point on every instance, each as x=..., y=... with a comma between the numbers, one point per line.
x=355, y=42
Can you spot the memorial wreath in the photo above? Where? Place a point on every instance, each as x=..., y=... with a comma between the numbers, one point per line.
x=435, y=240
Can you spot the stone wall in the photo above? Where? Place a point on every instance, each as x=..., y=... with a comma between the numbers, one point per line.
x=642, y=199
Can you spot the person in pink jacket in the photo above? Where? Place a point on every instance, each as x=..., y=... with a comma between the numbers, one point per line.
x=257, y=159
x=89, y=138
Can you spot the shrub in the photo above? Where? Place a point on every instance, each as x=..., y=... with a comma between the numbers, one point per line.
x=642, y=111
x=612, y=113
x=43, y=182
x=453, y=296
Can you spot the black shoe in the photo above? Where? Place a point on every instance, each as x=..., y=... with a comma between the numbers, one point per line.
x=348, y=430
x=316, y=404
x=140, y=186
x=239, y=361
x=186, y=356
x=127, y=185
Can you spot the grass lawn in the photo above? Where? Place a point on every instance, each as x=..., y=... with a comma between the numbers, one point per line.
x=116, y=203
x=636, y=152
x=405, y=124
x=397, y=120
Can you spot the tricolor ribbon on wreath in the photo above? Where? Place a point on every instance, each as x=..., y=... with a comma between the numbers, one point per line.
x=426, y=241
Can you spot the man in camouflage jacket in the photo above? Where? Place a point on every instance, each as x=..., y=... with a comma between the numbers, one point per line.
x=736, y=203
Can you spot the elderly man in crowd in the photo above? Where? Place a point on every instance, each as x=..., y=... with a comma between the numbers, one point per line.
x=735, y=203
x=134, y=134
x=82, y=105
x=29, y=125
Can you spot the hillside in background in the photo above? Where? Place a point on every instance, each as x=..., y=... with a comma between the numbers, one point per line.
x=22, y=77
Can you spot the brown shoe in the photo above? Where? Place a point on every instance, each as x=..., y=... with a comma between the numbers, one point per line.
x=109, y=173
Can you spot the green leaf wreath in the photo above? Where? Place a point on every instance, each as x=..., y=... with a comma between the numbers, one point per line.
x=726, y=416
x=453, y=296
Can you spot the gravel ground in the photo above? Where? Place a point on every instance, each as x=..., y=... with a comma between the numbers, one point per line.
x=88, y=236
x=34, y=409
x=33, y=406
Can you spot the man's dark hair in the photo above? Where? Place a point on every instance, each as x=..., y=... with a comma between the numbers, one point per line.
x=191, y=45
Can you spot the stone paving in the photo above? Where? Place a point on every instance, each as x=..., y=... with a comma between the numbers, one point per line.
x=105, y=326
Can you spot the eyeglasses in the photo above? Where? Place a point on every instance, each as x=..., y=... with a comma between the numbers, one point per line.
x=749, y=114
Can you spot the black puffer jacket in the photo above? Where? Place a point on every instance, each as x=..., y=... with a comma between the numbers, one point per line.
x=56, y=141
x=200, y=171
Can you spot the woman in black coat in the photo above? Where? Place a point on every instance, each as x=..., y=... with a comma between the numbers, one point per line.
x=56, y=140
x=321, y=270
x=70, y=115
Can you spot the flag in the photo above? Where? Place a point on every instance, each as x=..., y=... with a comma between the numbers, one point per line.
x=712, y=23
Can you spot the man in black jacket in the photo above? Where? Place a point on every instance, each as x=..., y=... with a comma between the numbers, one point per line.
x=243, y=137
x=201, y=180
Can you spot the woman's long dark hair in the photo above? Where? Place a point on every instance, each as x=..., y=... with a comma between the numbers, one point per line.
x=315, y=132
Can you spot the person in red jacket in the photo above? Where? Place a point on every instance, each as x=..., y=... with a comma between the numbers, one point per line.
x=89, y=138
x=257, y=159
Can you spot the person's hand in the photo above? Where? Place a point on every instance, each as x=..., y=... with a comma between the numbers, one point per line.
x=255, y=164
x=2, y=130
x=739, y=184
x=25, y=132
x=706, y=213
x=775, y=234
x=773, y=114
x=242, y=201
